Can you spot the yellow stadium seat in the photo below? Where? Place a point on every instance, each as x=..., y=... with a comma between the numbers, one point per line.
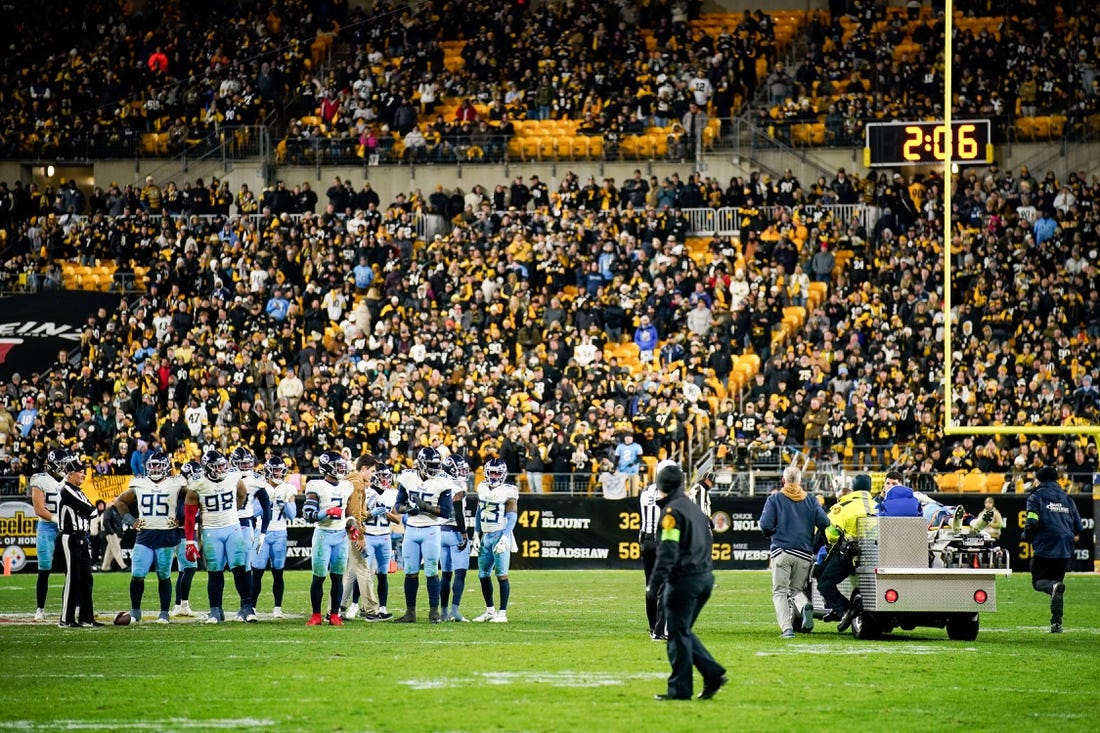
x=660, y=145
x=531, y=148
x=973, y=483
x=595, y=148
x=548, y=147
x=1057, y=126
x=645, y=147
x=515, y=148
x=628, y=147
x=1025, y=128
x=1042, y=128
x=578, y=147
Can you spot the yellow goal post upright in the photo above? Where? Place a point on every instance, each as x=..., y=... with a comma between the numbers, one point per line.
x=949, y=169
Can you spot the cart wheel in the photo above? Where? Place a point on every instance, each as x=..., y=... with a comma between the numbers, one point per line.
x=962, y=627
x=864, y=627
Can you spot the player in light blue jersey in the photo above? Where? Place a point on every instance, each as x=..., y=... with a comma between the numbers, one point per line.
x=156, y=495
x=454, y=541
x=45, y=491
x=424, y=496
x=376, y=534
x=221, y=495
x=497, y=502
x=189, y=472
x=243, y=463
x=273, y=548
x=326, y=501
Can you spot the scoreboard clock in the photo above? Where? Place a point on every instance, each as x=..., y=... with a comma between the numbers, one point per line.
x=925, y=143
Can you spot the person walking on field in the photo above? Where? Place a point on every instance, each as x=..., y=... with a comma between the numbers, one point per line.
x=1053, y=526
x=790, y=519
x=684, y=573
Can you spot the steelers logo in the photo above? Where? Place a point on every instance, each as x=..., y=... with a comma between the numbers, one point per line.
x=668, y=522
x=18, y=557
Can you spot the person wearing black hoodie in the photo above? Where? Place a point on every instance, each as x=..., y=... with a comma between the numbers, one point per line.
x=683, y=576
x=1053, y=526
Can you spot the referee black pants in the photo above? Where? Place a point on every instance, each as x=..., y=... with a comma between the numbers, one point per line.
x=654, y=611
x=684, y=598
x=76, y=598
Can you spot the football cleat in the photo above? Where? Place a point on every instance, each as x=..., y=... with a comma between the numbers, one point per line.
x=39, y=614
x=250, y=615
x=335, y=620
x=500, y=617
x=381, y=616
x=277, y=612
x=352, y=612
x=434, y=617
x=216, y=616
x=459, y=618
x=408, y=618
x=315, y=620
x=162, y=618
x=487, y=616
x=446, y=614
x=183, y=609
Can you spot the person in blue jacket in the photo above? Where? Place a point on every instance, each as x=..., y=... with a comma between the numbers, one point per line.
x=1053, y=527
x=791, y=518
x=897, y=499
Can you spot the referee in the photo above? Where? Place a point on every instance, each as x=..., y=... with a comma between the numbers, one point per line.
x=73, y=519
x=647, y=537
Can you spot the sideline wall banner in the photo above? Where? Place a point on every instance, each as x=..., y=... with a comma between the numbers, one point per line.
x=578, y=533
x=35, y=327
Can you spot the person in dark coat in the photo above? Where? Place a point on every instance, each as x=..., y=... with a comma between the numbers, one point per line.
x=1053, y=526
x=684, y=577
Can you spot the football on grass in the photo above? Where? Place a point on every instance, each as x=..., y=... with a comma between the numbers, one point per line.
x=122, y=618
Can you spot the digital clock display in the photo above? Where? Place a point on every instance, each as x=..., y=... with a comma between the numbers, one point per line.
x=926, y=143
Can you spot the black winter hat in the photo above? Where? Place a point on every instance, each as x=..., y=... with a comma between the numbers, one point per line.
x=1047, y=473
x=670, y=479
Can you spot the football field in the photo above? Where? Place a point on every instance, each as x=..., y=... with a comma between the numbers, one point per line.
x=576, y=656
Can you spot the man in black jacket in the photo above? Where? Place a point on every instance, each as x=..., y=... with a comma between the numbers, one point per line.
x=1053, y=527
x=684, y=575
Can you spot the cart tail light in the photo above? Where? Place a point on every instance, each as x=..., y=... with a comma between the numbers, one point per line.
x=890, y=595
x=980, y=596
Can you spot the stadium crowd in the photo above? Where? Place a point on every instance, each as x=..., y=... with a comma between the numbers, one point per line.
x=322, y=311
x=299, y=333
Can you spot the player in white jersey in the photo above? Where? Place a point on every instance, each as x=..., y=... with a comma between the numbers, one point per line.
x=424, y=494
x=157, y=496
x=189, y=472
x=45, y=490
x=326, y=500
x=221, y=495
x=497, y=501
x=243, y=462
x=273, y=546
x=376, y=533
x=454, y=540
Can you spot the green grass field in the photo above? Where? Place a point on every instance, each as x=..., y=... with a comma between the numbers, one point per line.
x=575, y=657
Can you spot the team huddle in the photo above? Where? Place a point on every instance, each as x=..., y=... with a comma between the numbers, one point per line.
x=224, y=512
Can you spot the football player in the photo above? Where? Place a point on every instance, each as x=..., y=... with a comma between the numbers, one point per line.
x=424, y=495
x=221, y=495
x=326, y=499
x=189, y=472
x=376, y=533
x=157, y=496
x=273, y=547
x=243, y=462
x=497, y=501
x=45, y=491
x=455, y=545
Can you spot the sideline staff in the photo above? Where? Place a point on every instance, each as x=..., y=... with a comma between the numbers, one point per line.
x=73, y=518
x=1053, y=527
x=684, y=572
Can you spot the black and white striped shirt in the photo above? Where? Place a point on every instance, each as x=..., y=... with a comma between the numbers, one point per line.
x=651, y=513
x=74, y=510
